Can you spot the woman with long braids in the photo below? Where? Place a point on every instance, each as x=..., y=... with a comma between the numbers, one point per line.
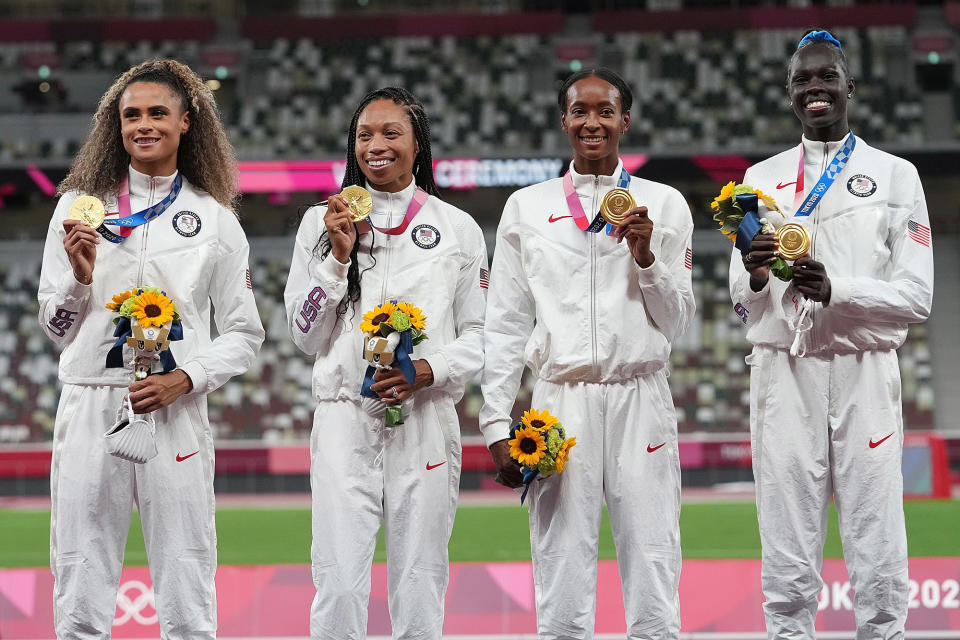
x=157, y=157
x=415, y=248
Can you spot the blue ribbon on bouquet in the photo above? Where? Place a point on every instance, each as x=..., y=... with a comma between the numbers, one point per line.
x=750, y=224
x=401, y=359
x=124, y=330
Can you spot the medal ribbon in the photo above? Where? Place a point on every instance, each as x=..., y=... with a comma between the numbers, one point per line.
x=826, y=180
x=419, y=199
x=128, y=221
x=576, y=209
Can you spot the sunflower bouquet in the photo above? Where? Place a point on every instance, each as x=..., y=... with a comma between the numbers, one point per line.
x=391, y=331
x=147, y=320
x=539, y=443
x=742, y=213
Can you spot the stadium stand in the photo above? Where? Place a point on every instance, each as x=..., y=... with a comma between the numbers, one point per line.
x=290, y=98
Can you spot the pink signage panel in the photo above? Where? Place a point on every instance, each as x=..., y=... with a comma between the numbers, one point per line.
x=716, y=596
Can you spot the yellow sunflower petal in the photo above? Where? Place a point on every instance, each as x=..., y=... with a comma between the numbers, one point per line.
x=564, y=453
x=153, y=309
x=539, y=420
x=528, y=447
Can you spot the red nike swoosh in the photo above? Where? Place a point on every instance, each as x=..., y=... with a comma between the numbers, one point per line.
x=553, y=218
x=781, y=185
x=182, y=458
x=434, y=466
x=652, y=449
x=874, y=445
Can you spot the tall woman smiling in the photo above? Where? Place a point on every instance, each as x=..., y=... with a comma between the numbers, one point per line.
x=157, y=156
x=418, y=249
x=825, y=416
x=592, y=309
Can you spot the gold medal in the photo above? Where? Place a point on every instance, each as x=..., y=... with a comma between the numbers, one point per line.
x=89, y=210
x=615, y=205
x=794, y=241
x=359, y=201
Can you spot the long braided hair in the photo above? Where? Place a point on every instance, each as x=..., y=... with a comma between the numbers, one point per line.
x=422, y=175
x=205, y=156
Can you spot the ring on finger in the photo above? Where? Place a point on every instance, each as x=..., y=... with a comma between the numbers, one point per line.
x=395, y=392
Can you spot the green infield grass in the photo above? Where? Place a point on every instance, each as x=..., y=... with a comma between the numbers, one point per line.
x=482, y=533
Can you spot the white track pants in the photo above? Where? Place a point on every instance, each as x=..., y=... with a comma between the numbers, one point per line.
x=92, y=497
x=823, y=427
x=626, y=451
x=362, y=474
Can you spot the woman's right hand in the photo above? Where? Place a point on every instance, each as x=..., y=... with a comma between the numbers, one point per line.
x=340, y=228
x=80, y=243
x=763, y=253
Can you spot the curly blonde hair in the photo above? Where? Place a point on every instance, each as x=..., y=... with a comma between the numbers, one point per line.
x=205, y=156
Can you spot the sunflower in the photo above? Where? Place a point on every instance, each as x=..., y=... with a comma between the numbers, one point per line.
x=120, y=298
x=539, y=420
x=373, y=319
x=417, y=319
x=528, y=446
x=153, y=309
x=769, y=202
x=564, y=454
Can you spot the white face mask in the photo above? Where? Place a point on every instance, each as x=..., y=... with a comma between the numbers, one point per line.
x=131, y=437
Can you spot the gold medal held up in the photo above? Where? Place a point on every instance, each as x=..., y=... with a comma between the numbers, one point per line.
x=794, y=241
x=89, y=210
x=359, y=201
x=616, y=204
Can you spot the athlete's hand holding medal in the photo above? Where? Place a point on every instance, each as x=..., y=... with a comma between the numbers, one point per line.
x=344, y=210
x=80, y=243
x=630, y=223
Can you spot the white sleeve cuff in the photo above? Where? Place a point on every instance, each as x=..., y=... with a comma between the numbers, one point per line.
x=73, y=289
x=197, y=375
x=333, y=270
x=652, y=274
x=841, y=291
x=495, y=432
x=440, y=367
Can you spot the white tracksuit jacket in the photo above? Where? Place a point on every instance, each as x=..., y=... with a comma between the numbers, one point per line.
x=596, y=331
x=820, y=422
x=361, y=472
x=202, y=264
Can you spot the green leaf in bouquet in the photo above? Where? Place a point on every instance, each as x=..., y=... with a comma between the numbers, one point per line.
x=782, y=270
x=731, y=224
x=418, y=337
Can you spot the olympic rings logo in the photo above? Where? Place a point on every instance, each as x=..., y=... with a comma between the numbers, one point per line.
x=132, y=609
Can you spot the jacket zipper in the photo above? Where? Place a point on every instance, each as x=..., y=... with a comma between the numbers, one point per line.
x=386, y=257
x=593, y=279
x=146, y=228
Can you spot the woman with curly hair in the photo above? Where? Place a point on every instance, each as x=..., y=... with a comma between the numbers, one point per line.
x=159, y=159
x=415, y=248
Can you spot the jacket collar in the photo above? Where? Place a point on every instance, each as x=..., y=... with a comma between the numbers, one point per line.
x=584, y=181
x=815, y=150
x=389, y=208
x=144, y=186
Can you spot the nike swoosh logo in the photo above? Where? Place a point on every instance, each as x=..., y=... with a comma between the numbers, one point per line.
x=652, y=449
x=434, y=466
x=182, y=458
x=554, y=218
x=781, y=185
x=874, y=445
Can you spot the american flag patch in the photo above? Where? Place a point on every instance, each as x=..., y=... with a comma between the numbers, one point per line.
x=918, y=232
x=688, y=259
x=484, y=278
x=249, y=281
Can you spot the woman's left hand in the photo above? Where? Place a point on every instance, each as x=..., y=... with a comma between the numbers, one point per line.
x=637, y=229
x=393, y=388
x=810, y=278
